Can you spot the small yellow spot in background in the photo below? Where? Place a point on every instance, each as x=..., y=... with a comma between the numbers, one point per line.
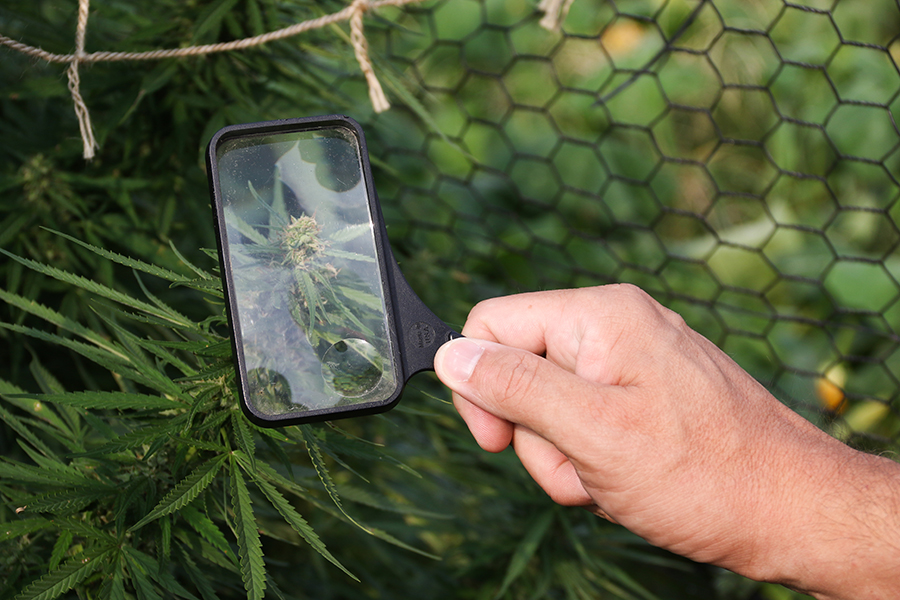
x=829, y=389
x=624, y=36
x=830, y=395
x=460, y=276
x=38, y=407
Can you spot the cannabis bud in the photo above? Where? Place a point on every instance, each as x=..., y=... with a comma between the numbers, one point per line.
x=300, y=242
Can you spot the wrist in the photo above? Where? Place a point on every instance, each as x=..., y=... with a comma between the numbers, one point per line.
x=839, y=535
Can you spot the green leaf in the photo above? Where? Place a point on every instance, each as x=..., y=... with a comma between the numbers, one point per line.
x=271, y=475
x=13, y=395
x=291, y=516
x=200, y=444
x=213, y=420
x=278, y=450
x=315, y=455
x=135, y=344
x=311, y=296
x=123, y=260
x=67, y=501
x=219, y=350
x=609, y=569
x=198, y=578
x=135, y=439
x=199, y=272
x=13, y=529
x=200, y=347
x=350, y=232
x=140, y=576
x=185, y=492
x=253, y=571
x=207, y=286
x=278, y=205
x=55, y=318
x=25, y=473
x=157, y=572
x=26, y=434
x=312, y=446
x=101, y=290
x=162, y=306
x=110, y=362
x=349, y=255
x=244, y=437
x=116, y=589
x=281, y=218
x=211, y=373
x=526, y=549
x=366, y=497
x=50, y=385
x=361, y=298
x=85, y=529
x=165, y=540
x=66, y=577
x=116, y=360
x=211, y=18
x=244, y=228
x=110, y=400
x=44, y=378
x=62, y=545
x=205, y=526
x=127, y=497
x=49, y=463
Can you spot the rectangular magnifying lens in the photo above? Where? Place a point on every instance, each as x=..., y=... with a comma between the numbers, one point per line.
x=303, y=264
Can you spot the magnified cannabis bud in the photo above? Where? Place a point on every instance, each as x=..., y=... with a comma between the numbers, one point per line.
x=300, y=242
x=307, y=285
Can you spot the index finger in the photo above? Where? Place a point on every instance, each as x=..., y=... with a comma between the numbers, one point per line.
x=526, y=321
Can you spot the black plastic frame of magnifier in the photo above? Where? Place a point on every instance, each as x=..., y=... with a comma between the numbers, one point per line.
x=416, y=332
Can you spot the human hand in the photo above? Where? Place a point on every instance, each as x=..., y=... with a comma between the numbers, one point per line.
x=611, y=402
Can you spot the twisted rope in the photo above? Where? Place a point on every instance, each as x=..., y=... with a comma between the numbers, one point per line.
x=81, y=109
x=353, y=13
x=361, y=50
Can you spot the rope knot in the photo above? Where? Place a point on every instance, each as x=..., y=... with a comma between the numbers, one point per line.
x=360, y=6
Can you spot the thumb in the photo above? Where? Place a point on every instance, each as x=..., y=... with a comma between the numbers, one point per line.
x=518, y=386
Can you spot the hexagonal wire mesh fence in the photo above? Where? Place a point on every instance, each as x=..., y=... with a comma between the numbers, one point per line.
x=737, y=159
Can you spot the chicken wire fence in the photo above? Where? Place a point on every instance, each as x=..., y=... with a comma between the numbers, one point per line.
x=737, y=159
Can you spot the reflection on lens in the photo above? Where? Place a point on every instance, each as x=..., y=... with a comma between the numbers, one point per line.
x=352, y=367
x=270, y=391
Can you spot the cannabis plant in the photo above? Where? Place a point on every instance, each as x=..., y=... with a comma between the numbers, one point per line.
x=155, y=488
x=306, y=286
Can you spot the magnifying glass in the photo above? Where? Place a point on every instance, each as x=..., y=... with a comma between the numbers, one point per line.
x=324, y=326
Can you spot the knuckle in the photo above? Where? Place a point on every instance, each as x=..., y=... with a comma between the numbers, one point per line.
x=643, y=307
x=631, y=293
x=676, y=320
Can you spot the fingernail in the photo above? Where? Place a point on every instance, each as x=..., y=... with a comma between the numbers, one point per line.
x=459, y=357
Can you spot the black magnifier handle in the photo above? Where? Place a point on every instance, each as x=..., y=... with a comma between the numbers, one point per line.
x=419, y=331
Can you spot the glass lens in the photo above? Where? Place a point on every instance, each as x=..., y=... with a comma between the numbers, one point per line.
x=307, y=287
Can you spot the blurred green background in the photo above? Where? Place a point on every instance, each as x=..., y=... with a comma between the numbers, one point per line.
x=738, y=159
